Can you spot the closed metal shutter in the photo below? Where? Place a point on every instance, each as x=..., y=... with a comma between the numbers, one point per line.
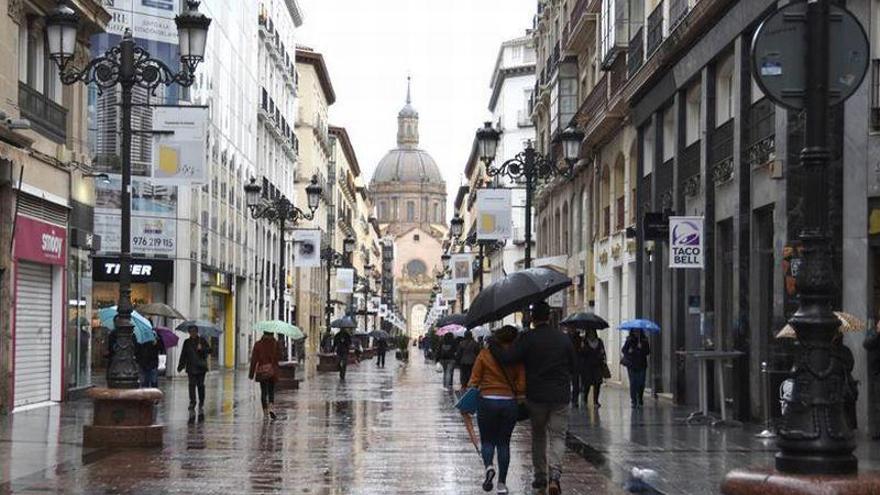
x=33, y=333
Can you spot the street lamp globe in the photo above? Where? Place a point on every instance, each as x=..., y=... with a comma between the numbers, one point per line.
x=192, y=31
x=571, y=143
x=61, y=27
x=487, y=140
x=252, y=192
x=313, y=193
x=457, y=224
x=348, y=245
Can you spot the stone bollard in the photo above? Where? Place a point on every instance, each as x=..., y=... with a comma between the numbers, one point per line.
x=124, y=418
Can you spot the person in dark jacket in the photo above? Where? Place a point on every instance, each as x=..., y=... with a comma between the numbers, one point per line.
x=635, y=357
x=550, y=360
x=576, y=383
x=264, y=369
x=381, y=349
x=194, y=359
x=593, y=362
x=466, y=357
x=147, y=356
x=446, y=355
x=342, y=346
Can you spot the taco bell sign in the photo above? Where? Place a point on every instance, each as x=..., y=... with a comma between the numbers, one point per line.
x=686, y=242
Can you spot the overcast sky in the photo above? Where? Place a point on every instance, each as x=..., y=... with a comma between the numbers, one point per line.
x=448, y=46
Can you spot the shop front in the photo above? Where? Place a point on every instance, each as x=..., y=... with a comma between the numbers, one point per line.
x=78, y=344
x=150, y=281
x=218, y=307
x=40, y=255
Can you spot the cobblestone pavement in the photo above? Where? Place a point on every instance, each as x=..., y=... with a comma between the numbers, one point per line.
x=383, y=431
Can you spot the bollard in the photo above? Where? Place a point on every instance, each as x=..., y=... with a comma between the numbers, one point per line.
x=768, y=431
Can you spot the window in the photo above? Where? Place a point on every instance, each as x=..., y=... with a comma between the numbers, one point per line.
x=383, y=210
x=669, y=133
x=395, y=209
x=410, y=211
x=724, y=91
x=648, y=151
x=693, y=112
x=416, y=267
x=437, y=213
x=416, y=238
x=423, y=214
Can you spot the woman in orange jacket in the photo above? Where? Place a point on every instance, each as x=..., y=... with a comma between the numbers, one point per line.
x=501, y=387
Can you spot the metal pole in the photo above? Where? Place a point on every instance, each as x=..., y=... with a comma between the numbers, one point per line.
x=328, y=308
x=482, y=265
x=281, y=270
x=530, y=185
x=123, y=371
x=366, y=297
x=815, y=436
x=765, y=385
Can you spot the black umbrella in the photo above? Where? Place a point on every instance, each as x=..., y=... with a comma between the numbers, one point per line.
x=513, y=293
x=585, y=321
x=344, y=322
x=457, y=319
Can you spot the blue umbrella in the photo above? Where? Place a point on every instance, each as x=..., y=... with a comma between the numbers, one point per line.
x=143, y=330
x=638, y=324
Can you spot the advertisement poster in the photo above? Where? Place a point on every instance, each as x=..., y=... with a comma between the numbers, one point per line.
x=494, y=214
x=179, y=155
x=344, y=280
x=149, y=236
x=462, y=265
x=374, y=304
x=448, y=290
x=153, y=216
x=307, y=248
x=147, y=19
x=686, y=242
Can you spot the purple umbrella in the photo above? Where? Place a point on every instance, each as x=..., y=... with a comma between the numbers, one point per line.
x=169, y=338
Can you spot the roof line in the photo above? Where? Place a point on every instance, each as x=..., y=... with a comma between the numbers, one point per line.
x=308, y=56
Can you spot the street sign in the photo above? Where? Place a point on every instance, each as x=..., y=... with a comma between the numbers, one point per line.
x=779, y=55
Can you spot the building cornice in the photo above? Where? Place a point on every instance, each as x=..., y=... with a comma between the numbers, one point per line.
x=342, y=135
x=501, y=75
x=315, y=59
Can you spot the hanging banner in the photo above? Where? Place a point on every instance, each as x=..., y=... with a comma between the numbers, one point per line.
x=147, y=19
x=494, y=214
x=462, y=268
x=448, y=290
x=344, y=280
x=307, y=248
x=686, y=242
x=179, y=154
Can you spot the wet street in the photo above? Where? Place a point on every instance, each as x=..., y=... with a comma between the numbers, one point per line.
x=383, y=431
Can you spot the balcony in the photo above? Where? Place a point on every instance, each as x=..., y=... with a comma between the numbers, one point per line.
x=762, y=133
x=596, y=101
x=47, y=117
x=689, y=169
x=635, y=54
x=721, y=153
x=655, y=29
x=620, y=213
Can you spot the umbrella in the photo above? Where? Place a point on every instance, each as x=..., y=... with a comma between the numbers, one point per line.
x=638, y=324
x=205, y=328
x=450, y=329
x=472, y=433
x=380, y=335
x=848, y=323
x=169, y=338
x=585, y=321
x=159, y=309
x=281, y=328
x=481, y=332
x=344, y=322
x=143, y=330
x=456, y=319
x=467, y=405
x=513, y=293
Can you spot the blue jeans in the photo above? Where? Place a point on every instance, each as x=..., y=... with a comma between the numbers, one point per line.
x=448, y=370
x=149, y=378
x=636, y=384
x=496, y=418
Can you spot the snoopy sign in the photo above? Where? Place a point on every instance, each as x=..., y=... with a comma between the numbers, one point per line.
x=686, y=242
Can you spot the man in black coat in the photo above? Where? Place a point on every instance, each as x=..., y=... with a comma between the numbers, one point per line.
x=342, y=346
x=381, y=349
x=194, y=359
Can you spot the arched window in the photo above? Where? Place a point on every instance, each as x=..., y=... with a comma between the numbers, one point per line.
x=416, y=267
x=383, y=211
x=410, y=211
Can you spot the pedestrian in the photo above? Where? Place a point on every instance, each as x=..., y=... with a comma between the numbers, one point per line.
x=594, y=366
x=549, y=360
x=342, y=346
x=264, y=369
x=147, y=357
x=635, y=357
x=501, y=389
x=466, y=357
x=194, y=359
x=327, y=342
x=381, y=349
x=446, y=355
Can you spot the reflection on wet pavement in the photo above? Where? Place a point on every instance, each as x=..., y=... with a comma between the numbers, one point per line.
x=381, y=431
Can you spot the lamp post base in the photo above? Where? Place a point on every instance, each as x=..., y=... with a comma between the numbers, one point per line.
x=124, y=418
x=771, y=482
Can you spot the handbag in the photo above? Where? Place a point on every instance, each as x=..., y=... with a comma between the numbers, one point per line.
x=522, y=410
x=264, y=372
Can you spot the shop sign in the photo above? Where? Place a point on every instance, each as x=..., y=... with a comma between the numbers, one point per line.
x=686, y=242
x=39, y=241
x=142, y=270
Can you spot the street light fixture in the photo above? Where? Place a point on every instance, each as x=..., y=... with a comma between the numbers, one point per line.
x=531, y=166
x=456, y=226
x=446, y=258
x=281, y=211
x=335, y=259
x=126, y=65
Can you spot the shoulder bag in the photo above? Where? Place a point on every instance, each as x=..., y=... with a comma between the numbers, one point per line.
x=522, y=411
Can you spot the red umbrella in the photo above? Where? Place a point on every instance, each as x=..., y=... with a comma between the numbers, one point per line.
x=169, y=338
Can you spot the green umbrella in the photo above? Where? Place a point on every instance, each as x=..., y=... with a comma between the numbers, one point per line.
x=281, y=328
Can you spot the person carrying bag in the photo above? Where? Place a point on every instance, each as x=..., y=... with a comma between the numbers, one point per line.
x=264, y=370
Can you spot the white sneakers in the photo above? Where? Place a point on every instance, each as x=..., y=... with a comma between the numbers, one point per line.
x=501, y=489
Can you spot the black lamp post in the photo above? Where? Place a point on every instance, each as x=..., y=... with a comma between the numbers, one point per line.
x=335, y=259
x=126, y=65
x=281, y=211
x=530, y=166
x=366, y=286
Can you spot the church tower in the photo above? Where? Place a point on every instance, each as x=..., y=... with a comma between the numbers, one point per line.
x=408, y=123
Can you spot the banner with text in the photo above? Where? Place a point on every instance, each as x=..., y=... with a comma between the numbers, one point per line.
x=686, y=242
x=494, y=214
x=462, y=265
x=179, y=155
x=307, y=248
x=344, y=280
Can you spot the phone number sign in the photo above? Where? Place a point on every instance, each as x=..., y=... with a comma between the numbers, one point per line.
x=149, y=236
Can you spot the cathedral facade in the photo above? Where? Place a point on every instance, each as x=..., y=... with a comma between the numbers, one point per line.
x=409, y=195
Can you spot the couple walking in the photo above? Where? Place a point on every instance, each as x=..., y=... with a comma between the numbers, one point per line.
x=528, y=375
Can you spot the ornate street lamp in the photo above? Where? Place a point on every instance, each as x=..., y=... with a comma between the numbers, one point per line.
x=335, y=259
x=529, y=165
x=446, y=258
x=126, y=65
x=282, y=212
x=456, y=226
